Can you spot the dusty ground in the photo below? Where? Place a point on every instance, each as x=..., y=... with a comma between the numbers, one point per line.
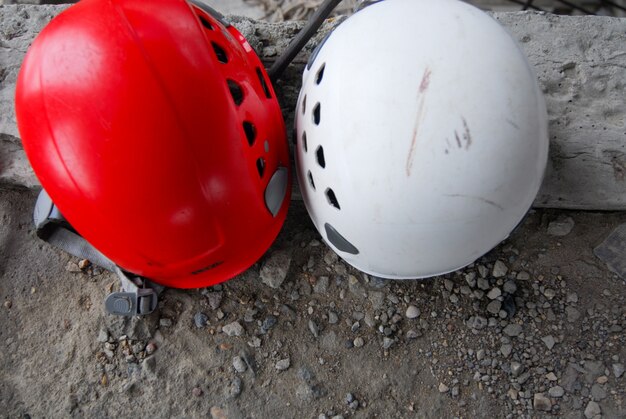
x=328, y=341
x=351, y=348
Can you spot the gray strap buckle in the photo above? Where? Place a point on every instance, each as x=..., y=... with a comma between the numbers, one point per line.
x=137, y=296
x=133, y=299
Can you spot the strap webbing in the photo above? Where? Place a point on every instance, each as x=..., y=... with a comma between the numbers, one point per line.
x=133, y=299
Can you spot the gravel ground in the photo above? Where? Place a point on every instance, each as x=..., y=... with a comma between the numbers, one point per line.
x=533, y=329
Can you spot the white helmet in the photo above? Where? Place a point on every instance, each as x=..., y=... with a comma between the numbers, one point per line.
x=421, y=137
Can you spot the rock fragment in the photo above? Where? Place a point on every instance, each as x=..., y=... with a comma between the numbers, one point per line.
x=233, y=329
x=541, y=402
x=275, y=269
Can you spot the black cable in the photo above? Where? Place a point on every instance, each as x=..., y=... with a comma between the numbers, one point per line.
x=576, y=7
x=302, y=38
x=613, y=4
x=525, y=3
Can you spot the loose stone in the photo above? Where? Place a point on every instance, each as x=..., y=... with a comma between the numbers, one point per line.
x=239, y=364
x=200, y=320
x=549, y=341
x=233, y=329
x=412, y=312
x=556, y=391
x=499, y=269
x=541, y=402
x=512, y=329
x=592, y=410
x=283, y=364
x=494, y=293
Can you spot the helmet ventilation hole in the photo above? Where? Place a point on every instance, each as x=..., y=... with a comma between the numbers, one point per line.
x=332, y=199
x=320, y=157
x=266, y=146
x=304, y=105
x=250, y=131
x=320, y=74
x=304, y=144
x=260, y=166
x=317, y=114
x=235, y=91
x=266, y=89
x=311, y=182
x=220, y=53
x=205, y=23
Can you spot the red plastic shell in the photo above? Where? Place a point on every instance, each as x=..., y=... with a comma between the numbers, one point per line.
x=129, y=116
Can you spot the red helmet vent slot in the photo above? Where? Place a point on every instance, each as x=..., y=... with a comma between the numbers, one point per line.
x=260, y=166
x=266, y=89
x=250, y=130
x=220, y=53
x=235, y=91
x=205, y=22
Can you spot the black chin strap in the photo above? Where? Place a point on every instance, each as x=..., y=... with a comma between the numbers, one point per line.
x=137, y=296
x=302, y=38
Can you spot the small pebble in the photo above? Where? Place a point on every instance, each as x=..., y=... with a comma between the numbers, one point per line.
x=151, y=348
x=412, y=312
x=283, y=364
x=516, y=368
x=239, y=364
x=506, y=349
x=233, y=329
x=443, y=388
x=313, y=328
x=549, y=341
x=494, y=293
x=387, y=342
x=556, y=391
x=499, y=269
x=512, y=329
x=103, y=336
x=541, y=402
x=83, y=264
x=509, y=287
x=494, y=307
x=592, y=410
x=200, y=320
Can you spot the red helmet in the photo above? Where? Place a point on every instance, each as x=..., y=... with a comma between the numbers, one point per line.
x=156, y=132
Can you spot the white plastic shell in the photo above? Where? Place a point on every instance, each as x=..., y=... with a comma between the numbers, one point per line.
x=426, y=137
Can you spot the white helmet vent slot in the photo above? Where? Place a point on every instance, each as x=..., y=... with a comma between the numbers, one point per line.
x=320, y=74
x=317, y=114
x=304, y=144
x=310, y=177
x=304, y=105
x=319, y=155
x=332, y=198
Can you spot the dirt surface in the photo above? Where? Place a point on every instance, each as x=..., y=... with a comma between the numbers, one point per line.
x=328, y=341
